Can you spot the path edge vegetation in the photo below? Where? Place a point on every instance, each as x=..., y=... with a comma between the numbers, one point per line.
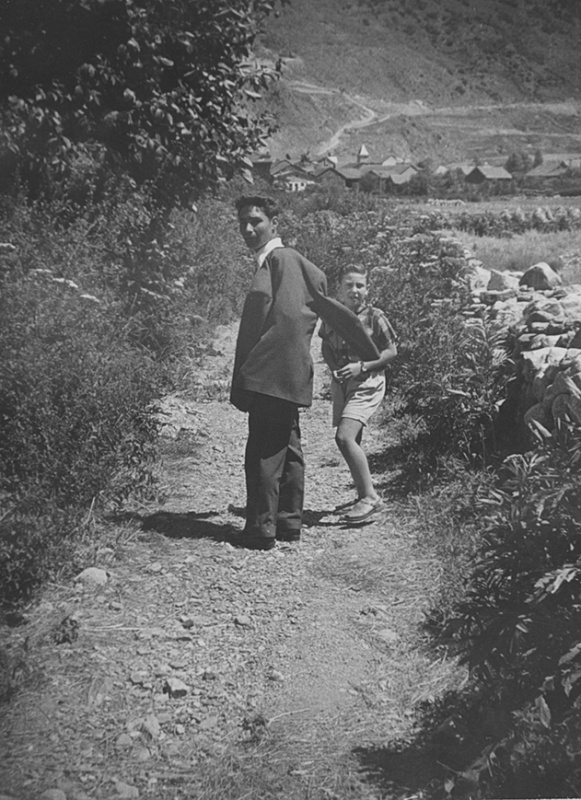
x=110, y=291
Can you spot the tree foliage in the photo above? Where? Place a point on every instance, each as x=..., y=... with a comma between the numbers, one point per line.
x=161, y=90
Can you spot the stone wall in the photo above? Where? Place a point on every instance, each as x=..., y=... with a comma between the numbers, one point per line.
x=545, y=318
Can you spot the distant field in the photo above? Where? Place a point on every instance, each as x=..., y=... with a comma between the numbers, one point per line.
x=496, y=205
x=561, y=250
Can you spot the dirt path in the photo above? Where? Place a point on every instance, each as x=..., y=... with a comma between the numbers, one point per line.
x=200, y=670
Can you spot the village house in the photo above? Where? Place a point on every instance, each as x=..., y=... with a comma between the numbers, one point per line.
x=262, y=165
x=291, y=177
x=485, y=173
x=462, y=167
x=549, y=175
x=385, y=180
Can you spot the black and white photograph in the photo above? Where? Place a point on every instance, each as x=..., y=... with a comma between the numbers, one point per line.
x=290, y=399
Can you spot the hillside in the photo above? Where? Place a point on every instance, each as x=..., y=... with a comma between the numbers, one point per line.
x=446, y=79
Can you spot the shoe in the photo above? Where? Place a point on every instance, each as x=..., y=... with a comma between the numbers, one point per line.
x=253, y=542
x=348, y=504
x=362, y=510
x=288, y=536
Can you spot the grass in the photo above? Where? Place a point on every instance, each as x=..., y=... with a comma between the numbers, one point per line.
x=521, y=251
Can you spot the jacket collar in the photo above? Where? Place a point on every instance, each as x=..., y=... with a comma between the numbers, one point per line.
x=267, y=248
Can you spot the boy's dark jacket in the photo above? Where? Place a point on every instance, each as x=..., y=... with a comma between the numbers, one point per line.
x=273, y=351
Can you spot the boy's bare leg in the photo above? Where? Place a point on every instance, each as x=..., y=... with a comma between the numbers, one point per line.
x=348, y=438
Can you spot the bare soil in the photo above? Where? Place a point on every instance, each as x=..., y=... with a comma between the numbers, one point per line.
x=297, y=666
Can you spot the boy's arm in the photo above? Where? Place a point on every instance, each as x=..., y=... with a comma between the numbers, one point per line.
x=385, y=357
x=356, y=368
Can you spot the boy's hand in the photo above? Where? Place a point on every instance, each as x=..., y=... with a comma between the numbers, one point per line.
x=351, y=370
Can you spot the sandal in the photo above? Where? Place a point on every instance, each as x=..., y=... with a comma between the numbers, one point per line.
x=346, y=505
x=363, y=509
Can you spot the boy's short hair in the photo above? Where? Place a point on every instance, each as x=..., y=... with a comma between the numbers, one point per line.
x=349, y=268
x=265, y=204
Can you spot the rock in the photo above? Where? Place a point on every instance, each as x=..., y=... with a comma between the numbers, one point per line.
x=566, y=339
x=571, y=305
x=53, y=794
x=175, y=687
x=566, y=408
x=544, y=309
x=493, y=297
x=575, y=409
x=500, y=281
x=540, y=276
x=123, y=741
x=208, y=722
x=275, y=675
x=477, y=276
x=533, y=362
x=572, y=360
x=139, y=678
x=506, y=312
x=243, y=621
x=552, y=392
x=155, y=567
x=540, y=383
x=141, y=754
x=537, y=414
x=92, y=576
x=125, y=791
x=201, y=620
x=542, y=340
x=388, y=636
x=539, y=327
x=151, y=726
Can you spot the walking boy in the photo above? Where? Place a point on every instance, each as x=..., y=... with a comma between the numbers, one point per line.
x=358, y=387
x=273, y=371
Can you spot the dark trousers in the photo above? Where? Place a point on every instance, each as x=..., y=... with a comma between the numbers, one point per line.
x=275, y=467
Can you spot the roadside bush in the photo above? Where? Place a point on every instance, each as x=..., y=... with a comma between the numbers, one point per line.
x=528, y=568
x=76, y=413
x=518, y=624
x=450, y=377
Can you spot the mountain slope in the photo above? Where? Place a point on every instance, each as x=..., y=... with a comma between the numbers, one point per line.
x=419, y=67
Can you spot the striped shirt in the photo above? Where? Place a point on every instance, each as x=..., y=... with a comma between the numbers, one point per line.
x=377, y=326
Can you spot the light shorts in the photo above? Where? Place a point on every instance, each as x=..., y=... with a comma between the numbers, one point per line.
x=357, y=399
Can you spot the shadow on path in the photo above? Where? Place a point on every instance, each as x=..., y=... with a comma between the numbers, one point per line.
x=188, y=525
x=311, y=519
x=410, y=770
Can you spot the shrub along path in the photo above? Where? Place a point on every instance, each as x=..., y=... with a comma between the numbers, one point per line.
x=201, y=670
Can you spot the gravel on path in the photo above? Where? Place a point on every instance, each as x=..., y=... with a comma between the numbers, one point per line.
x=200, y=669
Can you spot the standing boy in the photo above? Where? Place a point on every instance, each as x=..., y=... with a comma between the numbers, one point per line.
x=273, y=371
x=358, y=387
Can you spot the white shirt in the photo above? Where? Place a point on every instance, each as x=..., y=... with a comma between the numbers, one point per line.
x=267, y=248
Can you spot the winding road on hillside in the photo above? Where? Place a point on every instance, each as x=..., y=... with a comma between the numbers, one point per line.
x=414, y=108
x=201, y=670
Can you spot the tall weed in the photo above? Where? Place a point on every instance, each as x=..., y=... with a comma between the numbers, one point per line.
x=518, y=626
